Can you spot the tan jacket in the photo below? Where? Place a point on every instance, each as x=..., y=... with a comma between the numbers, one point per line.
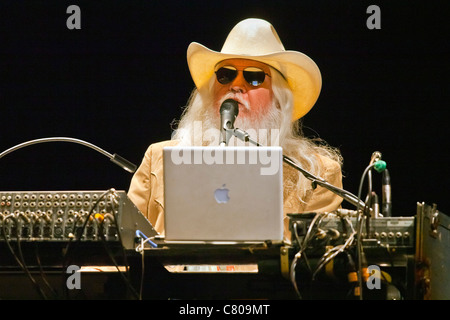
x=147, y=189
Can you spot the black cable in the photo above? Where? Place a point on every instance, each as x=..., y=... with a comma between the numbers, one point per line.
x=359, y=225
x=19, y=259
x=79, y=234
x=119, y=234
x=27, y=271
x=42, y=273
x=123, y=276
x=305, y=258
x=332, y=253
x=103, y=238
x=299, y=254
x=351, y=271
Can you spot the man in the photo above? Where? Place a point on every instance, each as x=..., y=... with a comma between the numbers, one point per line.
x=274, y=88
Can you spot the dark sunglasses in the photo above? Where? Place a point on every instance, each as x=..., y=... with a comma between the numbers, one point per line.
x=253, y=75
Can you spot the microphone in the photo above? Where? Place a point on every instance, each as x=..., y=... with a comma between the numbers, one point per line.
x=376, y=156
x=229, y=110
x=115, y=158
x=386, y=208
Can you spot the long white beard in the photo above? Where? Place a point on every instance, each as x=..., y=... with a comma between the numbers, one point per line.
x=203, y=128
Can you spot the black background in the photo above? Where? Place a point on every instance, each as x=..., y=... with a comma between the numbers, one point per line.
x=121, y=80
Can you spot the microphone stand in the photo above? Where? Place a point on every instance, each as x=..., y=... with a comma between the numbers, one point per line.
x=351, y=198
x=123, y=163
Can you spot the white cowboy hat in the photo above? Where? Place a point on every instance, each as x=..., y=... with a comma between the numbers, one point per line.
x=256, y=39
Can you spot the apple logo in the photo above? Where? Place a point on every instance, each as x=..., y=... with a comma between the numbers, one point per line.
x=221, y=195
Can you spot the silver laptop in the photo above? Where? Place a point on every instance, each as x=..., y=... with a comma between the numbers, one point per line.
x=223, y=194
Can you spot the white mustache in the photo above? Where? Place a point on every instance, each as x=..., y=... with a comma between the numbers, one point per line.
x=235, y=96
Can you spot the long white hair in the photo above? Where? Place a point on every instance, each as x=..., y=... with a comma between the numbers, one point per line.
x=200, y=123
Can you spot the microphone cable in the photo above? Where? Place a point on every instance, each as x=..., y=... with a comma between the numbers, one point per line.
x=379, y=166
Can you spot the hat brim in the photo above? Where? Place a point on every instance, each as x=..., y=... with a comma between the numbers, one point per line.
x=301, y=72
